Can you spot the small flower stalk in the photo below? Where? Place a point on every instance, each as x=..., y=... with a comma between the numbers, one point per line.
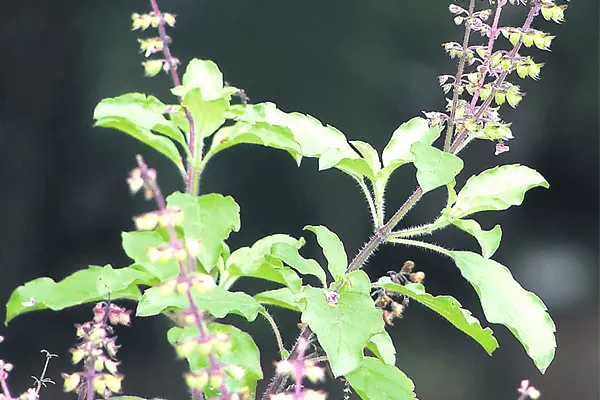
x=213, y=346
x=153, y=45
x=97, y=349
x=480, y=87
x=32, y=393
x=302, y=367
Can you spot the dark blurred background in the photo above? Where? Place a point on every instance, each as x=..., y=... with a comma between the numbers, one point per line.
x=362, y=67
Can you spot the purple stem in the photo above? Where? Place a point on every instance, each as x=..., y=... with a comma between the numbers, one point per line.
x=149, y=180
x=458, y=78
x=461, y=138
x=192, y=173
x=5, y=388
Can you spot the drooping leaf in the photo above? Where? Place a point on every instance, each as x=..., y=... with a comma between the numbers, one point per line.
x=290, y=255
x=315, y=140
x=210, y=219
x=244, y=353
x=136, y=245
x=375, y=380
x=505, y=302
x=449, y=308
x=382, y=346
x=495, y=189
x=488, y=240
x=260, y=133
x=217, y=301
x=343, y=329
x=435, y=168
x=138, y=115
x=89, y=285
x=283, y=297
x=333, y=249
x=260, y=261
x=313, y=137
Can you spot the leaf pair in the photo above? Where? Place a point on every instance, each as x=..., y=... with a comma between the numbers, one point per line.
x=203, y=95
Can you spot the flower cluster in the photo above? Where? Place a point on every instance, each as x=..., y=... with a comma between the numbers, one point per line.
x=189, y=281
x=302, y=367
x=150, y=46
x=528, y=392
x=482, y=71
x=97, y=349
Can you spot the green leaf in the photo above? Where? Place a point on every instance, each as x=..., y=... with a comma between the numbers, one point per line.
x=210, y=219
x=333, y=249
x=313, y=137
x=136, y=245
x=290, y=255
x=85, y=286
x=138, y=115
x=205, y=97
x=351, y=164
x=260, y=261
x=496, y=189
x=217, y=301
x=244, y=353
x=397, y=152
x=375, y=380
x=369, y=154
x=505, y=302
x=343, y=329
x=208, y=116
x=145, y=112
x=283, y=297
x=260, y=133
x=488, y=240
x=205, y=76
x=449, y=308
x=382, y=346
x=435, y=168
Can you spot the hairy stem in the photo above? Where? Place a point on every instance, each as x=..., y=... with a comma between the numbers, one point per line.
x=375, y=215
x=275, y=329
x=458, y=78
x=380, y=236
x=214, y=365
x=425, y=245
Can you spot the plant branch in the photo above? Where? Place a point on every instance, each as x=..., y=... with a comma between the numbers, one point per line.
x=418, y=243
x=380, y=236
x=150, y=181
x=419, y=230
x=282, y=351
x=193, y=174
x=458, y=78
x=377, y=216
